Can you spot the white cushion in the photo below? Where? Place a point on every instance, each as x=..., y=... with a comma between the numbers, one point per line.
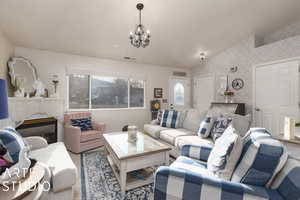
x=225, y=153
x=193, y=140
x=170, y=135
x=241, y=123
x=63, y=169
x=154, y=130
x=193, y=119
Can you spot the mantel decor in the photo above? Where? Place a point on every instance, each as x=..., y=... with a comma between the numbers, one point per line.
x=141, y=36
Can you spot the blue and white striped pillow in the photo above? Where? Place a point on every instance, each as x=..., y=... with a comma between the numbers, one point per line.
x=13, y=142
x=170, y=119
x=261, y=159
x=206, y=126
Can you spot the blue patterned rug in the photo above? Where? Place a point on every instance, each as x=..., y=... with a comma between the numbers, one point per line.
x=98, y=181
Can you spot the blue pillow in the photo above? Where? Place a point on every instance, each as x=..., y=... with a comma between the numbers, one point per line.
x=205, y=127
x=85, y=124
x=170, y=119
x=13, y=142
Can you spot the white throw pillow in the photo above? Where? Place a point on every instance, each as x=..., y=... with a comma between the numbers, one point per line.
x=193, y=119
x=206, y=126
x=225, y=153
x=240, y=122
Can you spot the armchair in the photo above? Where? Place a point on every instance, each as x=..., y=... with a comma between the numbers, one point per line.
x=78, y=141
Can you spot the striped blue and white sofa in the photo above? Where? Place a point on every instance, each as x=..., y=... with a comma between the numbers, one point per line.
x=264, y=171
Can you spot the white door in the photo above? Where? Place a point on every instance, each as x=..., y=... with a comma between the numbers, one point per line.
x=203, y=91
x=180, y=91
x=276, y=95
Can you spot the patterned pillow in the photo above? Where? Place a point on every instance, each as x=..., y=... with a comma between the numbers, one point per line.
x=206, y=126
x=159, y=115
x=219, y=127
x=170, y=119
x=225, y=153
x=85, y=124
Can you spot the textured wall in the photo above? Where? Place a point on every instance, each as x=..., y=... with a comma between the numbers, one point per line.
x=6, y=51
x=244, y=55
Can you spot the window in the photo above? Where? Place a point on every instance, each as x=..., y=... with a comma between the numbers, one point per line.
x=100, y=92
x=79, y=91
x=179, y=94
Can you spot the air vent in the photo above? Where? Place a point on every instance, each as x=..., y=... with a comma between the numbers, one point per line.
x=179, y=73
x=129, y=58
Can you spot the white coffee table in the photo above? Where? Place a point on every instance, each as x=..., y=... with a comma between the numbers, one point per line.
x=126, y=157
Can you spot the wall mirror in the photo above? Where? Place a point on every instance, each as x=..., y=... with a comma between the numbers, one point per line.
x=23, y=75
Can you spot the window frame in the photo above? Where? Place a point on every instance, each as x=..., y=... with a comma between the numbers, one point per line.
x=105, y=109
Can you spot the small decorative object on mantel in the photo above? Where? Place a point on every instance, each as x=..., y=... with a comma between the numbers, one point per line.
x=158, y=93
x=237, y=84
x=289, y=128
x=228, y=94
x=55, y=82
x=132, y=133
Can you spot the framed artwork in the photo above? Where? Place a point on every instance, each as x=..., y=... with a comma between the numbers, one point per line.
x=158, y=93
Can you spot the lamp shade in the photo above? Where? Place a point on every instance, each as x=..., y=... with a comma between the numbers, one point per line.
x=3, y=100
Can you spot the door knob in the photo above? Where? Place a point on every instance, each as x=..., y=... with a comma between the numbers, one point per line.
x=257, y=109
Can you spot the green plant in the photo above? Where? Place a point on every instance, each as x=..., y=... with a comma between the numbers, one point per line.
x=297, y=124
x=228, y=93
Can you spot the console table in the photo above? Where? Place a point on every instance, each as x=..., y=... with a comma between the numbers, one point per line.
x=51, y=136
x=236, y=108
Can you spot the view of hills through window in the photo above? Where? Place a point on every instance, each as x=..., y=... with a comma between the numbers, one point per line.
x=106, y=92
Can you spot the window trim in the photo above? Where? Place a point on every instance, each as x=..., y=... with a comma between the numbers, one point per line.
x=104, y=109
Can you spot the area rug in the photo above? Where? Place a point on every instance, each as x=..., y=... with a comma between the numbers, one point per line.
x=98, y=181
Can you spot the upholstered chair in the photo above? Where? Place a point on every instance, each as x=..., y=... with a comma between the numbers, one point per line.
x=78, y=141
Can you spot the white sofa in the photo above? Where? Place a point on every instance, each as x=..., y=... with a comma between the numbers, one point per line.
x=185, y=134
x=59, y=167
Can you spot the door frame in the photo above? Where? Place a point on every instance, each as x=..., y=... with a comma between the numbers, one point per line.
x=254, y=67
x=180, y=78
x=204, y=75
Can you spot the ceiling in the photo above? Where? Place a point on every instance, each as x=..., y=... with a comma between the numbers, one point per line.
x=180, y=29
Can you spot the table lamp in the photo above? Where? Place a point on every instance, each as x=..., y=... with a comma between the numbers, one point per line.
x=3, y=100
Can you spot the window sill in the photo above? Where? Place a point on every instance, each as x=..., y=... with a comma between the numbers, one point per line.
x=105, y=109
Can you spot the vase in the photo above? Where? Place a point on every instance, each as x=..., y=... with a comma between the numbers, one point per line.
x=132, y=133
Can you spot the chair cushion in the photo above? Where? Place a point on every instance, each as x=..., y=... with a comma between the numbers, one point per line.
x=261, y=159
x=90, y=135
x=154, y=130
x=193, y=119
x=225, y=154
x=206, y=126
x=219, y=127
x=170, y=119
x=170, y=135
x=193, y=140
x=287, y=182
x=63, y=170
x=191, y=165
x=84, y=124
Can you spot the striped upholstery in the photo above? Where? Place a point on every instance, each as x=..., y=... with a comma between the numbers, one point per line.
x=13, y=142
x=170, y=119
x=179, y=184
x=197, y=152
x=205, y=127
x=287, y=181
x=261, y=159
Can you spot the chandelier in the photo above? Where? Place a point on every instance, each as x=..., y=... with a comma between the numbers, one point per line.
x=140, y=37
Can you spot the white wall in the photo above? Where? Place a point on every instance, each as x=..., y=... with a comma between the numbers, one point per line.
x=6, y=51
x=49, y=63
x=245, y=55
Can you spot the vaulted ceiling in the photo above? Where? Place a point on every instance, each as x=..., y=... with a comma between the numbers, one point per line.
x=180, y=29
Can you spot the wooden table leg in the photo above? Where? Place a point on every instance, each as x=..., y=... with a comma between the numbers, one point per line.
x=123, y=176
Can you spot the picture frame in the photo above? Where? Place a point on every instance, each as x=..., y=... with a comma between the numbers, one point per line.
x=158, y=93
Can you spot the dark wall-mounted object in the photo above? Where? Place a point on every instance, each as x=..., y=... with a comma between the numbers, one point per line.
x=154, y=108
x=236, y=108
x=158, y=93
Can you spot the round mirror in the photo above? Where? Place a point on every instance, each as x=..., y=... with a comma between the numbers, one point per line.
x=23, y=75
